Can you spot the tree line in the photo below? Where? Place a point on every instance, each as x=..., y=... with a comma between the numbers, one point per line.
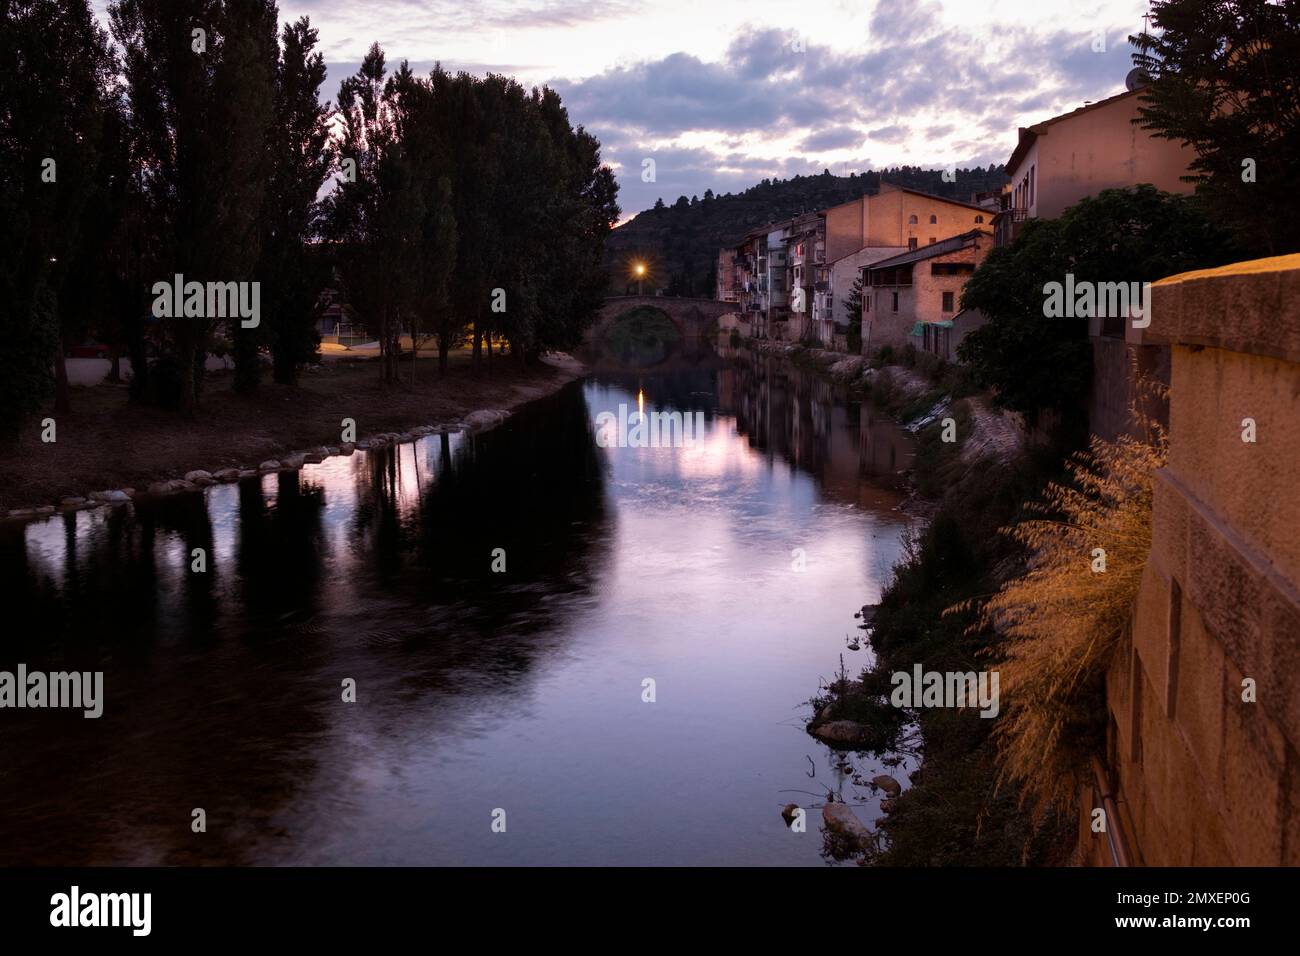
x=190, y=139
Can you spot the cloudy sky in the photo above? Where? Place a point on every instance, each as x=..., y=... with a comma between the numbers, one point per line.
x=722, y=93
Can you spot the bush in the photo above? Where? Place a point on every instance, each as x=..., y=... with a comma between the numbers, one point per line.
x=1121, y=235
x=1063, y=618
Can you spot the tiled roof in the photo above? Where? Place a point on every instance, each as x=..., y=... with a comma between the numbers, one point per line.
x=943, y=247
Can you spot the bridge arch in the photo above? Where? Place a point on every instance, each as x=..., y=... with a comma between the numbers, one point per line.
x=691, y=317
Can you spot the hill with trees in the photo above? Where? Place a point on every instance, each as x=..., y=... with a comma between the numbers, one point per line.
x=680, y=241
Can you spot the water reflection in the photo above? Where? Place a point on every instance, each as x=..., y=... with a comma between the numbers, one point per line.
x=476, y=689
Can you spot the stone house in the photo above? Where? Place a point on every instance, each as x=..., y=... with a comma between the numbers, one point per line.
x=905, y=292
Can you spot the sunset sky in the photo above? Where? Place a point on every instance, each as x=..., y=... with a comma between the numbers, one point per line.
x=720, y=97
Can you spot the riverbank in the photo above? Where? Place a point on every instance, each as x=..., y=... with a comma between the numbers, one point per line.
x=108, y=443
x=974, y=469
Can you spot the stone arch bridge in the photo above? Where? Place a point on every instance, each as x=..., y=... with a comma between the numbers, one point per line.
x=692, y=317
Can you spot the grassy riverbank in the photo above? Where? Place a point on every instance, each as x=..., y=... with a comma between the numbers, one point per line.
x=109, y=442
x=953, y=813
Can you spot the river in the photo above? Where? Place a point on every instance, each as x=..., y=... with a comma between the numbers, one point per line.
x=727, y=573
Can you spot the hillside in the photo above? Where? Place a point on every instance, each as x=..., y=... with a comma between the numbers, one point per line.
x=680, y=242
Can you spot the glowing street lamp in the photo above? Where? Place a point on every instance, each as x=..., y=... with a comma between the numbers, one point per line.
x=639, y=270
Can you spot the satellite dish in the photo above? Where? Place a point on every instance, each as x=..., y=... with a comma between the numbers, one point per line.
x=1136, y=79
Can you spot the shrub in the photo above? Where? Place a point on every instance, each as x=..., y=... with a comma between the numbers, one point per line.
x=1062, y=619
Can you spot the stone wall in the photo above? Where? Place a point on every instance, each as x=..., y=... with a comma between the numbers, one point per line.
x=1119, y=366
x=1201, y=775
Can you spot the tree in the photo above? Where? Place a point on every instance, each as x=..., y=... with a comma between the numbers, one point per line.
x=200, y=112
x=420, y=107
x=853, y=305
x=55, y=68
x=299, y=163
x=378, y=216
x=1120, y=235
x=1224, y=76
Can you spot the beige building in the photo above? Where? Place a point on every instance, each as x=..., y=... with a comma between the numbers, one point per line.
x=1063, y=159
x=792, y=280
x=905, y=292
x=875, y=227
x=896, y=216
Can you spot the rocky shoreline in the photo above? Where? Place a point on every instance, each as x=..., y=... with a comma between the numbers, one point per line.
x=198, y=479
x=191, y=480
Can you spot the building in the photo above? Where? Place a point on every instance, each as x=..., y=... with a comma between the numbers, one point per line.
x=1098, y=146
x=942, y=338
x=778, y=295
x=807, y=276
x=728, y=286
x=793, y=279
x=904, y=293
x=876, y=227
x=752, y=274
x=897, y=216
x=1062, y=160
x=845, y=271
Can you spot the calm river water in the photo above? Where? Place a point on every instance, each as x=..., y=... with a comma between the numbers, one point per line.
x=476, y=691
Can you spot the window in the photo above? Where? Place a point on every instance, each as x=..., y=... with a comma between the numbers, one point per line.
x=979, y=218
x=933, y=240
x=1031, y=185
x=947, y=302
x=911, y=220
x=933, y=220
x=895, y=294
x=866, y=303
x=911, y=243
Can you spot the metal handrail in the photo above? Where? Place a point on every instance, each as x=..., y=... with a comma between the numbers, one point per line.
x=1114, y=827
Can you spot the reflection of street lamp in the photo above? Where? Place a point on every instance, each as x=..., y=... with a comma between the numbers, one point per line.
x=639, y=269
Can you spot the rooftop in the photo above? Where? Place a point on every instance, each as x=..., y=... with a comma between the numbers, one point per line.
x=943, y=247
x=1030, y=133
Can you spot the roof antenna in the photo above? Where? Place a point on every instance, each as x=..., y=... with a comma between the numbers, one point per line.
x=1137, y=77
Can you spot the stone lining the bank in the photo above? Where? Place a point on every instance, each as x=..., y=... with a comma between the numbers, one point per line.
x=197, y=479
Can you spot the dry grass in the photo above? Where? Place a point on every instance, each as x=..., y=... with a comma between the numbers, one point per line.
x=1062, y=620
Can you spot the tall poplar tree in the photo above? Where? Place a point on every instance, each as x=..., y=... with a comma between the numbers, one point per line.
x=55, y=77
x=201, y=81
x=299, y=163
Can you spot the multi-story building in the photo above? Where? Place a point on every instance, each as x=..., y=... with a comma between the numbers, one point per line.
x=897, y=216
x=1098, y=146
x=794, y=278
x=1062, y=160
x=807, y=275
x=755, y=278
x=884, y=224
x=844, y=273
x=727, y=284
x=905, y=293
x=778, y=288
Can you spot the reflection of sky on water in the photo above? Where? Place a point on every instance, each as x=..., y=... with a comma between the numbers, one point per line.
x=476, y=690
